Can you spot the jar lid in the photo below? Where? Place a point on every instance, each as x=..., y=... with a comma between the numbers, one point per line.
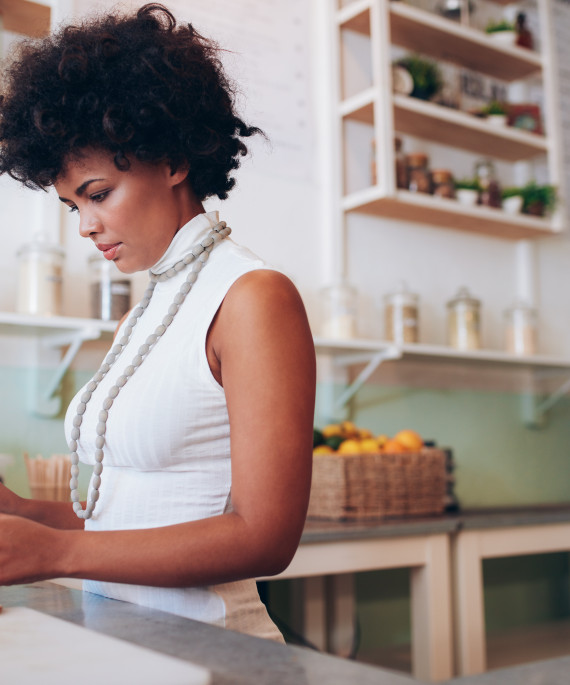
x=521, y=306
x=42, y=248
x=401, y=295
x=441, y=175
x=417, y=159
x=463, y=296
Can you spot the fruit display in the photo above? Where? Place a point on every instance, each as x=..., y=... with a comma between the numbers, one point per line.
x=346, y=438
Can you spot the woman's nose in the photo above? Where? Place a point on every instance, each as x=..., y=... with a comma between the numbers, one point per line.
x=89, y=224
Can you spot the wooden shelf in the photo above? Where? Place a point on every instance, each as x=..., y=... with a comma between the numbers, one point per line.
x=360, y=348
x=12, y=323
x=451, y=127
x=26, y=18
x=445, y=213
x=443, y=39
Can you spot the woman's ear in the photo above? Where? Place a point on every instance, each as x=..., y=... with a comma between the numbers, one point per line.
x=178, y=173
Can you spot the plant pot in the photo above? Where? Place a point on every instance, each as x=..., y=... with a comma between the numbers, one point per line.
x=504, y=37
x=535, y=209
x=467, y=196
x=513, y=204
x=497, y=119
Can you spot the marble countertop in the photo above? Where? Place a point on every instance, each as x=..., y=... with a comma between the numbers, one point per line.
x=233, y=658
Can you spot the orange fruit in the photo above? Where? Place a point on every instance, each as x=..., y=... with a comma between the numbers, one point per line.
x=350, y=447
x=322, y=450
x=330, y=430
x=381, y=439
x=369, y=446
x=364, y=433
x=348, y=429
x=411, y=440
x=392, y=446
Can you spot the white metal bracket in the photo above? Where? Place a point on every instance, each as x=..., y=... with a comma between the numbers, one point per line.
x=46, y=402
x=535, y=408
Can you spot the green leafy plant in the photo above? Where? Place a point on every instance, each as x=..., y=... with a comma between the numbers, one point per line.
x=538, y=199
x=425, y=74
x=467, y=184
x=495, y=107
x=511, y=192
x=502, y=25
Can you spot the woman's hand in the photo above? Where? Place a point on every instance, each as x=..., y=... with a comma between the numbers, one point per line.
x=29, y=551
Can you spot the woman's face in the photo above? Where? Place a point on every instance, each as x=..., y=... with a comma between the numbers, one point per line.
x=131, y=216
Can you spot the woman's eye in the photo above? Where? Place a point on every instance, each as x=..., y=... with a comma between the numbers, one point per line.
x=73, y=208
x=99, y=197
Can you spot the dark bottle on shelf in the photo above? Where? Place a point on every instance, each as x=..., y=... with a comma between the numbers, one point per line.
x=524, y=36
x=490, y=190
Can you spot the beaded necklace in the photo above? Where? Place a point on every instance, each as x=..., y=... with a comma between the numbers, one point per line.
x=197, y=256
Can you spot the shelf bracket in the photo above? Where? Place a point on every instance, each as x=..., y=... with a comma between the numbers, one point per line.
x=46, y=402
x=392, y=352
x=535, y=410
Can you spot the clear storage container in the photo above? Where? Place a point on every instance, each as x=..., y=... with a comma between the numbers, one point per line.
x=339, y=311
x=464, y=321
x=110, y=290
x=40, y=278
x=401, y=316
x=521, y=329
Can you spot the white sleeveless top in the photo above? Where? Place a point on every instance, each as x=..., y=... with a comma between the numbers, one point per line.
x=167, y=451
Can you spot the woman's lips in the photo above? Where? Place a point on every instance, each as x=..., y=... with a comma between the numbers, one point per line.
x=109, y=251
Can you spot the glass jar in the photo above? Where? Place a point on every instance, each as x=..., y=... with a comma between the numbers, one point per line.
x=521, y=329
x=339, y=311
x=490, y=190
x=40, y=278
x=110, y=290
x=442, y=183
x=401, y=165
x=401, y=316
x=419, y=180
x=464, y=321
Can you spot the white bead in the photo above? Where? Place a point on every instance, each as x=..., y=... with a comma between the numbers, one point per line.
x=145, y=301
x=98, y=456
x=82, y=514
x=77, y=419
x=168, y=319
x=104, y=367
x=137, y=312
x=94, y=496
x=81, y=407
x=110, y=359
x=101, y=428
x=192, y=277
x=99, y=442
x=103, y=415
x=98, y=377
x=73, y=484
x=76, y=503
x=75, y=433
x=91, y=386
x=113, y=392
x=86, y=396
x=74, y=470
x=96, y=482
x=173, y=309
x=131, y=322
x=128, y=372
x=169, y=273
x=98, y=468
x=185, y=288
x=208, y=240
x=121, y=380
x=152, y=338
x=72, y=444
x=179, y=297
x=197, y=250
x=197, y=266
x=204, y=257
x=179, y=266
x=124, y=340
x=117, y=349
x=217, y=237
x=143, y=349
x=159, y=330
x=188, y=259
x=107, y=403
x=137, y=360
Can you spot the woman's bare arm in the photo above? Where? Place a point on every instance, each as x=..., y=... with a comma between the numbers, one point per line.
x=264, y=346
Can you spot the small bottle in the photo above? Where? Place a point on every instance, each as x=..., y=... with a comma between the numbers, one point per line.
x=419, y=180
x=401, y=165
x=401, y=315
x=443, y=184
x=40, y=278
x=524, y=36
x=521, y=329
x=490, y=190
x=464, y=321
x=110, y=290
x=340, y=303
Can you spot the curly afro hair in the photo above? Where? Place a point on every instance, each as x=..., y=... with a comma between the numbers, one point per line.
x=138, y=85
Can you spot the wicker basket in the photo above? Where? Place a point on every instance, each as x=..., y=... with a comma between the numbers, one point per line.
x=373, y=486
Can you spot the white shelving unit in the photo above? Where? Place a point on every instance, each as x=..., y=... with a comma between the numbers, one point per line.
x=54, y=332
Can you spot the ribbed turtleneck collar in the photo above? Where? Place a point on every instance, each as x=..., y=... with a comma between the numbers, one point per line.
x=185, y=238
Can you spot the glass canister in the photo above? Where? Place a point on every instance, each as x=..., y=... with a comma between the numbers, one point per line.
x=419, y=180
x=401, y=316
x=442, y=183
x=490, y=190
x=40, y=278
x=339, y=310
x=110, y=290
x=464, y=321
x=521, y=329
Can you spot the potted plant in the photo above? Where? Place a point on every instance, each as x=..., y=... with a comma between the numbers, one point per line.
x=538, y=200
x=425, y=74
x=496, y=113
x=512, y=200
x=467, y=191
x=502, y=30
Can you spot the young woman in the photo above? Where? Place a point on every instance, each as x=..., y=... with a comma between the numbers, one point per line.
x=198, y=424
